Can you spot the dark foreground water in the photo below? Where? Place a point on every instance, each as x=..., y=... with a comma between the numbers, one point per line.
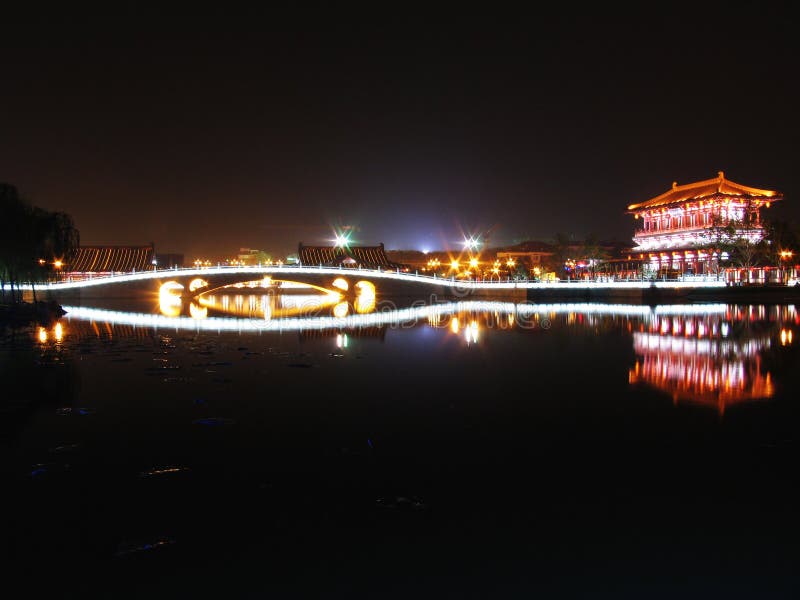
x=472, y=451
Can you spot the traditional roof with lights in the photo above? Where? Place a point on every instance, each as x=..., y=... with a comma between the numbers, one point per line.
x=368, y=257
x=111, y=259
x=719, y=187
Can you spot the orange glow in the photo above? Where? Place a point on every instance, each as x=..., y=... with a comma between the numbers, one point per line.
x=340, y=310
x=364, y=304
x=42, y=335
x=197, y=312
x=454, y=324
x=169, y=299
x=341, y=284
x=58, y=332
x=691, y=359
x=365, y=298
x=196, y=284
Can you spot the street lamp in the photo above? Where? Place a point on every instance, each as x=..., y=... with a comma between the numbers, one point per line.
x=471, y=243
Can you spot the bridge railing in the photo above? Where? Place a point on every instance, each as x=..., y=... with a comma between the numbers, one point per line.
x=450, y=281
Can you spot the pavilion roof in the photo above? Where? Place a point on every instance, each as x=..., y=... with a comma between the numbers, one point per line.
x=96, y=259
x=704, y=189
x=371, y=257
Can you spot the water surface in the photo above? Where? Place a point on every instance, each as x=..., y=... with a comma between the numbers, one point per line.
x=470, y=449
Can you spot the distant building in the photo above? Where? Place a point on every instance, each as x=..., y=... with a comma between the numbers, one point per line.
x=533, y=254
x=676, y=226
x=252, y=257
x=365, y=257
x=169, y=261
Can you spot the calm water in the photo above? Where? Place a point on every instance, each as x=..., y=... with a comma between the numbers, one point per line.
x=481, y=450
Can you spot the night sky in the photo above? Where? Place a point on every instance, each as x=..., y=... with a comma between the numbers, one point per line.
x=207, y=133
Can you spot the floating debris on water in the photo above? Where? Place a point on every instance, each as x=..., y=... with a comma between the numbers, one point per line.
x=41, y=469
x=64, y=448
x=177, y=379
x=68, y=410
x=157, y=471
x=127, y=548
x=38, y=470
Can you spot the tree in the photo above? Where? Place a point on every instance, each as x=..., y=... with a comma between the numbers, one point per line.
x=262, y=258
x=13, y=228
x=32, y=240
x=593, y=253
x=781, y=236
x=716, y=240
x=562, y=251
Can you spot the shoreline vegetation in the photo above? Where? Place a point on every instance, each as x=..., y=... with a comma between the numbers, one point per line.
x=42, y=312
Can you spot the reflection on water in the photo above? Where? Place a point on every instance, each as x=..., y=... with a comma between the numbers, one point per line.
x=714, y=360
x=404, y=424
x=267, y=306
x=39, y=369
x=267, y=299
x=707, y=354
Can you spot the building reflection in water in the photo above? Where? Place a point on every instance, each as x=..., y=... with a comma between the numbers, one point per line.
x=709, y=354
x=713, y=360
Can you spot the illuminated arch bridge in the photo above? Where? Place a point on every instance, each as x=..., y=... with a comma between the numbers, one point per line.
x=386, y=281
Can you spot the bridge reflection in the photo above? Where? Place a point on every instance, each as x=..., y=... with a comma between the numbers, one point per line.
x=712, y=355
x=269, y=299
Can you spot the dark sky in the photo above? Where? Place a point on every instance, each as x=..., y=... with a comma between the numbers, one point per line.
x=204, y=134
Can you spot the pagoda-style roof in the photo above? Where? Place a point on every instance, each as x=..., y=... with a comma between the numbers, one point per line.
x=719, y=186
x=367, y=257
x=108, y=259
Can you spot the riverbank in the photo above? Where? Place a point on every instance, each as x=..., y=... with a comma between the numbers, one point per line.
x=664, y=294
x=25, y=313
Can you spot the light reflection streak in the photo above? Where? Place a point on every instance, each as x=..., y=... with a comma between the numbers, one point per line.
x=431, y=313
x=43, y=336
x=269, y=306
x=711, y=360
x=708, y=354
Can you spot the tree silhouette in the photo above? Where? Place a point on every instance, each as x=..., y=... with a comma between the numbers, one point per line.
x=31, y=241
